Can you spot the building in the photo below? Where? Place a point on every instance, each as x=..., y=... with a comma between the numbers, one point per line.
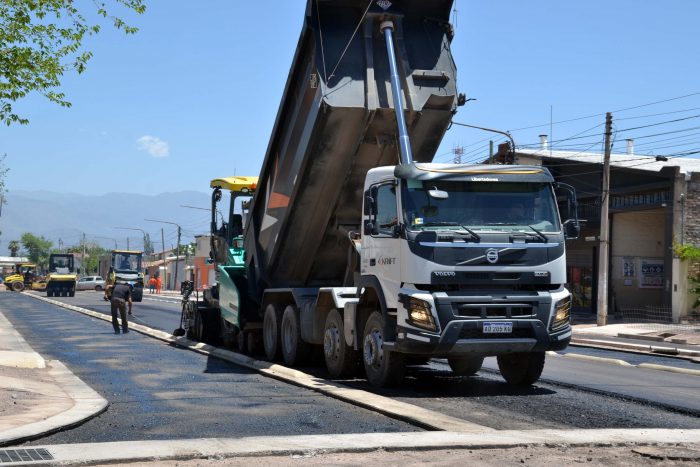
x=653, y=206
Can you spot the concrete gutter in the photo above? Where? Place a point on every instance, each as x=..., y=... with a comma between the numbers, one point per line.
x=145, y=451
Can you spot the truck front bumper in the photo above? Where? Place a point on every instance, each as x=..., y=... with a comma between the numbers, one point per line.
x=467, y=337
x=460, y=323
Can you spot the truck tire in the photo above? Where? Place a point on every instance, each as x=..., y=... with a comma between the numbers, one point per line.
x=49, y=292
x=383, y=367
x=242, y=342
x=195, y=331
x=294, y=350
x=521, y=369
x=229, y=334
x=341, y=359
x=18, y=286
x=71, y=293
x=465, y=366
x=272, y=324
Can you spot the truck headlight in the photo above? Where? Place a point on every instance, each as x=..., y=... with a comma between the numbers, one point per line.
x=562, y=313
x=419, y=314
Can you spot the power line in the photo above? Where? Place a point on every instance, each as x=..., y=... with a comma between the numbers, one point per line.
x=601, y=114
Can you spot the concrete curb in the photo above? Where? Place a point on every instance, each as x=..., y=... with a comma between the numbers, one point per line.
x=144, y=451
x=637, y=348
x=86, y=404
x=615, y=361
x=412, y=414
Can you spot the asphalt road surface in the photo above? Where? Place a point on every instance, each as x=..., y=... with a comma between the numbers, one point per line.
x=157, y=391
x=611, y=398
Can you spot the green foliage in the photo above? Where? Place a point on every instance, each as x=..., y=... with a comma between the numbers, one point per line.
x=695, y=289
x=38, y=248
x=41, y=39
x=93, y=251
x=686, y=251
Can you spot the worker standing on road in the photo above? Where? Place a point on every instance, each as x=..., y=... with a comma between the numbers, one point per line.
x=159, y=284
x=152, y=284
x=121, y=296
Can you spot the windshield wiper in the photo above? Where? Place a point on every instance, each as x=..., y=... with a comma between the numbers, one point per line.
x=539, y=233
x=469, y=231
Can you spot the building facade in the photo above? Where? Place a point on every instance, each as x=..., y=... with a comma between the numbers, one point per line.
x=653, y=207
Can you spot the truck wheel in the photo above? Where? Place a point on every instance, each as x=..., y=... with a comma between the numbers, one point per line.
x=341, y=359
x=71, y=293
x=383, y=367
x=49, y=292
x=465, y=366
x=17, y=286
x=294, y=350
x=241, y=342
x=521, y=369
x=197, y=329
x=272, y=324
x=253, y=342
x=229, y=334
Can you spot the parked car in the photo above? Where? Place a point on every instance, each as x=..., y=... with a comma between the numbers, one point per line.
x=90, y=283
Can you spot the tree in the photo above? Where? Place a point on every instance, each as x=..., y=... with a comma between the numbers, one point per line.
x=14, y=247
x=42, y=39
x=91, y=262
x=37, y=248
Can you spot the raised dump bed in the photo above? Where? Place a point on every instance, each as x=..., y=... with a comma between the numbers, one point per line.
x=335, y=122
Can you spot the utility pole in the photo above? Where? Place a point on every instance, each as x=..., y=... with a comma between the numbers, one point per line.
x=604, y=244
x=127, y=242
x=162, y=239
x=82, y=260
x=177, y=253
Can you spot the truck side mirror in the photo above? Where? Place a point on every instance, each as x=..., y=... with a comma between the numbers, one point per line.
x=572, y=229
x=370, y=228
x=369, y=203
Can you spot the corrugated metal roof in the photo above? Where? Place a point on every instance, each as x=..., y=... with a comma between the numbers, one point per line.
x=631, y=161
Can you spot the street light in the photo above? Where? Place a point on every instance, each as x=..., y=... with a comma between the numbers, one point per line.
x=177, y=252
x=145, y=235
x=204, y=209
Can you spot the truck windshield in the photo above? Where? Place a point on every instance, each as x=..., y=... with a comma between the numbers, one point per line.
x=501, y=206
x=127, y=262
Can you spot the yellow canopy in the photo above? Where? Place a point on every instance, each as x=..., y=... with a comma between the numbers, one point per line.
x=236, y=184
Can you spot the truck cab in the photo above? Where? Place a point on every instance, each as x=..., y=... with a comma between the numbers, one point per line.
x=466, y=261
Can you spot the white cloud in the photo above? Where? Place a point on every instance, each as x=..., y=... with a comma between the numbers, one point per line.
x=154, y=146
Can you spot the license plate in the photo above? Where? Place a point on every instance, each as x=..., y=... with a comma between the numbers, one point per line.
x=500, y=327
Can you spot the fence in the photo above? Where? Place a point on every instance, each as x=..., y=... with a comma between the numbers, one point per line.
x=658, y=315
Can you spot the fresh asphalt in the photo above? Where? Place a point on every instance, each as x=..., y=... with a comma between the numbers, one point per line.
x=556, y=401
x=157, y=391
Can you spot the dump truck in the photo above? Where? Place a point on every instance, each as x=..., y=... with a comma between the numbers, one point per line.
x=358, y=244
x=122, y=266
x=24, y=276
x=62, y=277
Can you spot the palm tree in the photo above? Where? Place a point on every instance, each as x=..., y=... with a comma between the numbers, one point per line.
x=13, y=246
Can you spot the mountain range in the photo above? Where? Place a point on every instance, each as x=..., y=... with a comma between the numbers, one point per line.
x=63, y=218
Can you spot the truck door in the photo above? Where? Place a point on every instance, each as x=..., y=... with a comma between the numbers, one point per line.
x=383, y=242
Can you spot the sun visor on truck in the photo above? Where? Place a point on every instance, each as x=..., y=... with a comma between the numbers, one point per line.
x=474, y=173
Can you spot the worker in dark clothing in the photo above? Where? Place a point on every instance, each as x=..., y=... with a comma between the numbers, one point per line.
x=121, y=296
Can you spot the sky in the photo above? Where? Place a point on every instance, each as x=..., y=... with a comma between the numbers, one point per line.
x=194, y=94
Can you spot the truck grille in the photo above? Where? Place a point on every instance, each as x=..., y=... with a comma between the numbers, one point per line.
x=480, y=310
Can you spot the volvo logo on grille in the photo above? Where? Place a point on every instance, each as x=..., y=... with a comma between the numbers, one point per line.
x=492, y=255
